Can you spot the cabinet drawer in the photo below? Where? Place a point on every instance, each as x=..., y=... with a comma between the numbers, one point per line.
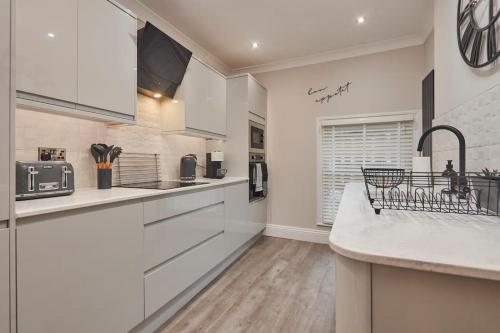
x=169, y=280
x=159, y=209
x=166, y=239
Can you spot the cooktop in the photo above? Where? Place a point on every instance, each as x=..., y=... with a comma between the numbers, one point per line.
x=167, y=185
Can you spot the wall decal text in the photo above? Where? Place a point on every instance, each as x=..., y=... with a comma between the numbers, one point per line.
x=343, y=89
x=312, y=92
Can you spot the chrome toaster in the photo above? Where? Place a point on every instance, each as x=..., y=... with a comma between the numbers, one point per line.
x=44, y=179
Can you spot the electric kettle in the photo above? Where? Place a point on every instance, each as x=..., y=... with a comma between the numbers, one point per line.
x=188, y=168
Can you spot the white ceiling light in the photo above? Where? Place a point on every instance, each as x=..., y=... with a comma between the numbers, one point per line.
x=361, y=20
x=157, y=95
x=51, y=35
x=255, y=45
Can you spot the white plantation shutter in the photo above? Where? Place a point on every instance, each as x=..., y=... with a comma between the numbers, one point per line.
x=344, y=149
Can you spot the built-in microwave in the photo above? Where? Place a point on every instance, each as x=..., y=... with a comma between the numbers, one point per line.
x=257, y=135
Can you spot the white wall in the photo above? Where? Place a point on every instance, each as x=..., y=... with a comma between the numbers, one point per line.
x=383, y=82
x=466, y=98
x=35, y=129
x=429, y=53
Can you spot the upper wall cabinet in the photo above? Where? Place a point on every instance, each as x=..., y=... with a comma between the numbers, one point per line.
x=107, y=57
x=199, y=106
x=46, y=41
x=77, y=57
x=257, y=98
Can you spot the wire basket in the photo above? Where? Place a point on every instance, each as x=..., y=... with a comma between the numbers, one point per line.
x=398, y=189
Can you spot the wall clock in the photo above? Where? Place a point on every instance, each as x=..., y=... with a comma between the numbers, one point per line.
x=477, y=22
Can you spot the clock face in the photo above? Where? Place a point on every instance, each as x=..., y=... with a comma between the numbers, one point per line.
x=477, y=23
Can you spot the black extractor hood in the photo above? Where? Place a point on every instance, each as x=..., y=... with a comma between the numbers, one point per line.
x=161, y=62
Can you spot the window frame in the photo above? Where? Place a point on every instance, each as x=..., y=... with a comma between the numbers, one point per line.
x=369, y=118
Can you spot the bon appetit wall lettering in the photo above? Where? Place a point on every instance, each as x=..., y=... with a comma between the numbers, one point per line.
x=341, y=90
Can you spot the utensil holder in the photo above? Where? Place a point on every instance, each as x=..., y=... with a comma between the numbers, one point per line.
x=104, y=178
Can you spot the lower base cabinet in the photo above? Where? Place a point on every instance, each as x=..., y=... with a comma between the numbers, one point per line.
x=4, y=281
x=243, y=220
x=170, y=279
x=81, y=271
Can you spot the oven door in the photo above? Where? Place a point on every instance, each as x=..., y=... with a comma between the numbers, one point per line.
x=256, y=138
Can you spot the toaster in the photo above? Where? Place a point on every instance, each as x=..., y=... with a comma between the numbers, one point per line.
x=44, y=179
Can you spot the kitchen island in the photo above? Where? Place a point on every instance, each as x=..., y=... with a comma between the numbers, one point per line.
x=413, y=271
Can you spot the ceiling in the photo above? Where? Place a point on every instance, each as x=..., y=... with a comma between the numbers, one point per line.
x=290, y=29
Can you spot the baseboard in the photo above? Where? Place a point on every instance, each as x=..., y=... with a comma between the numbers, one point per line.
x=302, y=234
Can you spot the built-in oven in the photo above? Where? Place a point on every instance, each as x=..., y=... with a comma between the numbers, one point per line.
x=258, y=177
x=257, y=137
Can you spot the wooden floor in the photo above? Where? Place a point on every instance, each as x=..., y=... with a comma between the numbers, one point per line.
x=279, y=285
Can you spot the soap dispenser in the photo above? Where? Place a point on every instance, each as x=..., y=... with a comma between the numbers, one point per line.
x=453, y=176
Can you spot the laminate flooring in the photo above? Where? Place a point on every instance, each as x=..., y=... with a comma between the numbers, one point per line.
x=277, y=286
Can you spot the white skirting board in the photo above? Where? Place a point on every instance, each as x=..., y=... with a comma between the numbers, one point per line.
x=301, y=234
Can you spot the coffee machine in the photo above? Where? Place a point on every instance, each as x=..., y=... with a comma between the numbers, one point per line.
x=214, y=165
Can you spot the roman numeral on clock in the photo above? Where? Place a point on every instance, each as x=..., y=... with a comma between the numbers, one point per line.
x=471, y=34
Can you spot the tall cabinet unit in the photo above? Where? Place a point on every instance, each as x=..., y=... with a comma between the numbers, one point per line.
x=246, y=101
x=5, y=142
x=78, y=57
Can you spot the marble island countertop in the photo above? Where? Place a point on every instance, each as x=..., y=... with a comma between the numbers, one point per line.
x=462, y=245
x=87, y=197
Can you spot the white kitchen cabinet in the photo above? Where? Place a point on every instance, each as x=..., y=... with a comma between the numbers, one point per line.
x=81, y=271
x=257, y=98
x=163, y=208
x=77, y=57
x=46, y=48
x=4, y=281
x=5, y=121
x=167, y=281
x=165, y=239
x=199, y=105
x=242, y=223
x=107, y=57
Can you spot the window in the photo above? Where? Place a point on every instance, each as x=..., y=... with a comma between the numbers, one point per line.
x=347, y=144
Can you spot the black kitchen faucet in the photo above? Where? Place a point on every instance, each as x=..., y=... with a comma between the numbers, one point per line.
x=461, y=142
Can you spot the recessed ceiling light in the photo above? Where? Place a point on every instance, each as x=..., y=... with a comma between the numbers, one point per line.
x=157, y=95
x=255, y=45
x=175, y=101
x=51, y=35
x=361, y=20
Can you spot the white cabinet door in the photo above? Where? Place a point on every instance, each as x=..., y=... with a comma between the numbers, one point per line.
x=46, y=48
x=81, y=271
x=107, y=57
x=257, y=98
x=4, y=107
x=239, y=228
x=205, y=98
x=4, y=280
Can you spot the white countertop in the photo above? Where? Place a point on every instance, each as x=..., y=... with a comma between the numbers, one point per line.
x=462, y=245
x=87, y=197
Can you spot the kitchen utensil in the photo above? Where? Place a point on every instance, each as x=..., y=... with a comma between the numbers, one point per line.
x=95, y=153
x=114, y=154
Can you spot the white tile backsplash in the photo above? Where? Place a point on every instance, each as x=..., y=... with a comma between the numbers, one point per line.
x=479, y=121
x=35, y=129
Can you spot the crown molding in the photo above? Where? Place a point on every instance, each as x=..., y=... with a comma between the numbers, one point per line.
x=351, y=52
